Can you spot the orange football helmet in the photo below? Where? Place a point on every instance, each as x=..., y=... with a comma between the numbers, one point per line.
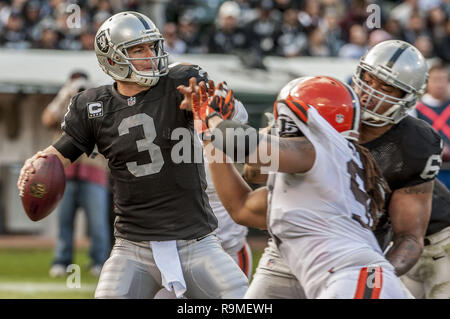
x=335, y=101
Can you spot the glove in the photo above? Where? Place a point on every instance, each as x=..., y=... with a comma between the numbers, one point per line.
x=200, y=108
x=223, y=101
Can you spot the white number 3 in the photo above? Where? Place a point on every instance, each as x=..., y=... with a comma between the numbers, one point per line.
x=432, y=168
x=143, y=145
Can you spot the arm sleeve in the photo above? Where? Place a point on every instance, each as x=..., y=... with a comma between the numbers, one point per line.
x=240, y=113
x=76, y=125
x=67, y=148
x=424, y=154
x=180, y=74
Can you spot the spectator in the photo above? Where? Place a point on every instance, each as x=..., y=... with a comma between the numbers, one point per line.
x=436, y=24
x=434, y=108
x=227, y=36
x=309, y=17
x=49, y=38
x=188, y=31
x=12, y=35
x=394, y=28
x=317, y=43
x=377, y=36
x=87, y=39
x=414, y=28
x=172, y=44
x=357, y=14
x=333, y=33
x=263, y=30
x=357, y=46
x=86, y=187
x=402, y=12
x=291, y=40
x=99, y=18
x=424, y=44
x=442, y=46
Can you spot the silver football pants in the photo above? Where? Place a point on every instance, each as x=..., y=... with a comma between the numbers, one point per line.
x=209, y=272
x=273, y=279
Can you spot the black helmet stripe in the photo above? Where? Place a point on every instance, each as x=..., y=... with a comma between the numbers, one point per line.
x=396, y=55
x=146, y=25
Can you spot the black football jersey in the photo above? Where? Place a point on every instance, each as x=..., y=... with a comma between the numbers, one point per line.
x=156, y=196
x=408, y=154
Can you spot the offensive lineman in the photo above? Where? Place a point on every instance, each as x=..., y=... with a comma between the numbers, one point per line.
x=164, y=222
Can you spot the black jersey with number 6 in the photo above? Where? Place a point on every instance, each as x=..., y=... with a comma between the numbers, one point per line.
x=408, y=154
x=155, y=161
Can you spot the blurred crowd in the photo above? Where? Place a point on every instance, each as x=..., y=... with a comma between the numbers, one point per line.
x=286, y=28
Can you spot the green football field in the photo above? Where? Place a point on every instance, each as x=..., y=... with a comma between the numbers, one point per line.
x=24, y=274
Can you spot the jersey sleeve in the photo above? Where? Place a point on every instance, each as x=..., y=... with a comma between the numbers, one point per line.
x=76, y=125
x=423, y=154
x=180, y=73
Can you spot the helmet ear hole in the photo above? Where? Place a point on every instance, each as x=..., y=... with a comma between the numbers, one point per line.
x=111, y=62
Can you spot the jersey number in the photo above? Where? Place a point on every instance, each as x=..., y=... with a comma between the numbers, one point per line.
x=145, y=144
x=432, y=167
x=360, y=195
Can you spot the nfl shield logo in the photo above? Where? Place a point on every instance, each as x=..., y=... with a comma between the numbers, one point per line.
x=131, y=101
x=339, y=118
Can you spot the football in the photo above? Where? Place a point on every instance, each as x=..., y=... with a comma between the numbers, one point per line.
x=44, y=189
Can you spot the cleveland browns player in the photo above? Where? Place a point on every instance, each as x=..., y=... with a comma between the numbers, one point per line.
x=164, y=224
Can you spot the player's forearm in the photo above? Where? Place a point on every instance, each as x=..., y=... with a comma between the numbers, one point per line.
x=241, y=142
x=230, y=186
x=405, y=253
x=254, y=175
x=52, y=150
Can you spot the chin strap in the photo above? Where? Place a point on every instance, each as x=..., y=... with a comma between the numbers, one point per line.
x=144, y=81
x=374, y=118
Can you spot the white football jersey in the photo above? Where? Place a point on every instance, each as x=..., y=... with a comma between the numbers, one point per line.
x=324, y=209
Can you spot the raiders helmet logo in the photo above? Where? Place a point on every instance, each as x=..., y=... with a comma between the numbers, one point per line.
x=102, y=42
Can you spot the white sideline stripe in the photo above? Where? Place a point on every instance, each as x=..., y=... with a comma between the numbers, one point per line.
x=31, y=287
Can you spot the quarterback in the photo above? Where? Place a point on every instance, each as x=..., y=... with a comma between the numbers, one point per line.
x=164, y=224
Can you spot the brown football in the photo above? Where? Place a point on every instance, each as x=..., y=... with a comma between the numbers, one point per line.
x=44, y=189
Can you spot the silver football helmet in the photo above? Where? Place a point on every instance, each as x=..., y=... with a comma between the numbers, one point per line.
x=122, y=31
x=400, y=65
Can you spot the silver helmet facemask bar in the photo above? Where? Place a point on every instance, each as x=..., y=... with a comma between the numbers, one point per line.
x=400, y=106
x=353, y=134
x=159, y=63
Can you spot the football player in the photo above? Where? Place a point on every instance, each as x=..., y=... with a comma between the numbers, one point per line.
x=164, y=224
x=388, y=80
x=320, y=209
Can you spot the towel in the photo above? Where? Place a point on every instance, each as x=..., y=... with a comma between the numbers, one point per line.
x=167, y=260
